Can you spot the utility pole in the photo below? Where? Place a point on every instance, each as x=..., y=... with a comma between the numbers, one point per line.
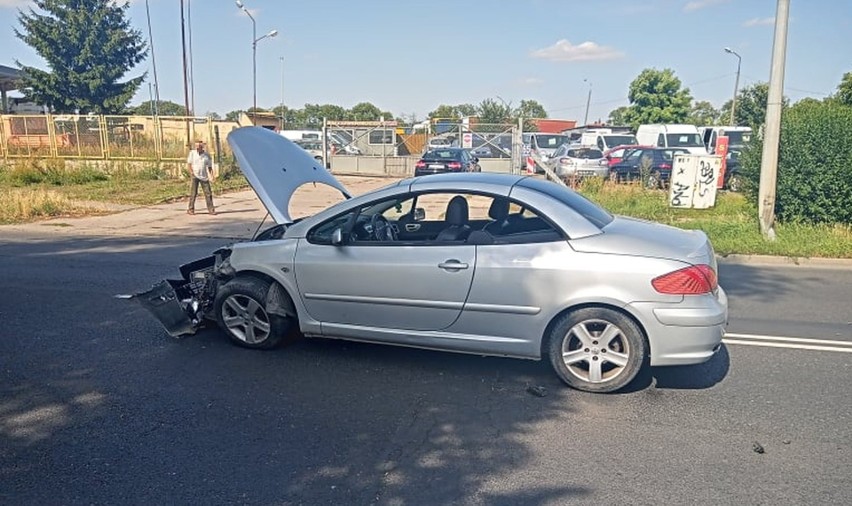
x=185, y=77
x=281, y=127
x=588, y=101
x=772, y=130
x=153, y=62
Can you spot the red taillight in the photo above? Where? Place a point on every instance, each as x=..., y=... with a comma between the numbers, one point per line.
x=454, y=165
x=666, y=166
x=692, y=280
x=420, y=164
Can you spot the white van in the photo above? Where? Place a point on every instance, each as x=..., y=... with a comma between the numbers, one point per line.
x=541, y=146
x=738, y=136
x=604, y=139
x=672, y=136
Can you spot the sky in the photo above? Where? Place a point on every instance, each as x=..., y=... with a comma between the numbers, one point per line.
x=409, y=56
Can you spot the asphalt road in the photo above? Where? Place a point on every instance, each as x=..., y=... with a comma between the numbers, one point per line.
x=99, y=406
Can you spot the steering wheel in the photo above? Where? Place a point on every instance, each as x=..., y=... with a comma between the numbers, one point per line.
x=382, y=229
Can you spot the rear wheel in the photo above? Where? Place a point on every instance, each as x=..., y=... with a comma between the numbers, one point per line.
x=596, y=349
x=240, y=309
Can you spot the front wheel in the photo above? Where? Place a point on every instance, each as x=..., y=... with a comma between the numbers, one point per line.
x=240, y=309
x=734, y=183
x=596, y=349
x=652, y=180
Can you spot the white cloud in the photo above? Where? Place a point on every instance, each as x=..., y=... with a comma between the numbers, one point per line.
x=695, y=5
x=587, y=51
x=759, y=22
x=531, y=81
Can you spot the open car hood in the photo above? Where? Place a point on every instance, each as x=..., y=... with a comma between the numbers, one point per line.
x=276, y=167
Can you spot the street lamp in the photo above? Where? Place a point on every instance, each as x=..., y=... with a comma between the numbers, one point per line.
x=254, y=40
x=588, y=101
x=736, y=83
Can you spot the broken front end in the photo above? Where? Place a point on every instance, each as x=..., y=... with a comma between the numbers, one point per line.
x=183, y=305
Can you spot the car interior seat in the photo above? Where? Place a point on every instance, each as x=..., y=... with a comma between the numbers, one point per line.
x=456, y=219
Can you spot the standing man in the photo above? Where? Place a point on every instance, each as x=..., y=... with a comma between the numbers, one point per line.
x=200, y=166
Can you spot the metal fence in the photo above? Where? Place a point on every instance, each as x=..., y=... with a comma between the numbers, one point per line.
x=162, y=138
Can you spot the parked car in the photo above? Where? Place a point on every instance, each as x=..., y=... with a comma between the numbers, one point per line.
x=439, y=142
x=569, y=161
x=659, y=166
x=541, y=146
x=436, y=161
x=488, y=264
x=616, y=154
x=733, y=178
x=314, y=148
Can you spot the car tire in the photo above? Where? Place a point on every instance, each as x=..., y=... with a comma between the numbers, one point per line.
x=583, y=360
x=240, y=308
x=734, y=183
x=653, y=180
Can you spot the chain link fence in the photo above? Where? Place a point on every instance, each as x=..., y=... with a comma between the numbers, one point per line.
x=160, y=138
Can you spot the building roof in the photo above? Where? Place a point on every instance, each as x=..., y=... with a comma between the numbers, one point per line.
x=10, y=78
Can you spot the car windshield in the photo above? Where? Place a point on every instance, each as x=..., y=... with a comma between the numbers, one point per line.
x=439, y=142
x=591, y=154
x=738, y=138
x=684, y=140
x=443, y=154
x=586, y=208
x=550, y=141
x=616, y=140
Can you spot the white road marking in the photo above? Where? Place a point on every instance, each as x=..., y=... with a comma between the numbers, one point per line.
x=798, y=343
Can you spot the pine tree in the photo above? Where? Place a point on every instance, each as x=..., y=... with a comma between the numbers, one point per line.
x=88, y=46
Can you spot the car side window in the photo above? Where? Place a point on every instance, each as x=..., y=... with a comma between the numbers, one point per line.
x=661, y=140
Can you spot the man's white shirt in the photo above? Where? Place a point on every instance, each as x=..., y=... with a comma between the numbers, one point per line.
x=200, y=164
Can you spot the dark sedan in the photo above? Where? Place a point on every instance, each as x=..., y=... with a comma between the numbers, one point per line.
x=437, y=161
x=652, y=165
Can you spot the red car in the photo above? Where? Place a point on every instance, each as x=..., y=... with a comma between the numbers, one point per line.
x=616, y=155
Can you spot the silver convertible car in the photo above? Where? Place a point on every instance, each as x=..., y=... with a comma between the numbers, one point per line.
x=489, y=264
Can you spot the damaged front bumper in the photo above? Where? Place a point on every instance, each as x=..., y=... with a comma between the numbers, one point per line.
x=182, y=305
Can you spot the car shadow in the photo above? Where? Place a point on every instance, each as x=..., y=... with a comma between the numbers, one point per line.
x=686, y=377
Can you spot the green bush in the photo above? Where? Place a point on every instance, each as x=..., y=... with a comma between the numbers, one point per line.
x=814, y=164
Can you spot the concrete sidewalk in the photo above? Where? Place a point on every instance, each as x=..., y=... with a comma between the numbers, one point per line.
x=238, y=215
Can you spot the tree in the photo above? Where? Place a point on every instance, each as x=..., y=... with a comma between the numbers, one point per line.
x=530, y=109
x=164, y=108
x=656, y=96
x=751, y=106
x=703, y=114
x=88, y=46
x=493, y=112
x=616, y=116
x=365, y=111
x=459, y=111
x=844, y=90
x=233, y=115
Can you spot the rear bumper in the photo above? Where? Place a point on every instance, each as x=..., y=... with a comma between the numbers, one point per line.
x=687, y=333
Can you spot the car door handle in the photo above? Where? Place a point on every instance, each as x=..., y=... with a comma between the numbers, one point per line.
x=452, y=265
x=412, y=227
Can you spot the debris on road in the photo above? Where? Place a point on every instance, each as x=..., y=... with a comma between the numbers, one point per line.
x=757, y=448
x=536, y=390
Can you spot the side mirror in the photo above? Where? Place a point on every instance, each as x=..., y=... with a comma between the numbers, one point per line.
x=337, y=237
x=419, y=214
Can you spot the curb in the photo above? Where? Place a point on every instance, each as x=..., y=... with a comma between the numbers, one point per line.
x=781, y=261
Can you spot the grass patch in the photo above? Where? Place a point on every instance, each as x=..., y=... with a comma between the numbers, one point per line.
x=26, y=204
x=732, y=225
x=36, y=188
